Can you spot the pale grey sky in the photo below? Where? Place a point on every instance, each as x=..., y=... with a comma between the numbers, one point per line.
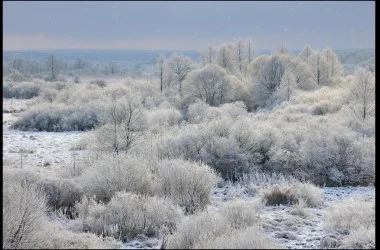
x=186, y=25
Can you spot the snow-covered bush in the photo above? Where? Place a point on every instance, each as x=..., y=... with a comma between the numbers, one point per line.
x=234, y=227
x=58, y=118
x=22, y=90
x=61, y=194
x=187, y=184
x=300, y=209
x=292, y=193
x=194, y=229
x=162, y=118
x=309, y=194
x=197, y=111
x=48, y=94
x=277, y=195
x=16, y=76
x=100, y=82
x=24, y=207
x=128, y=214
x=362, y=238
x=353, y=221
x=20, y=175
x=349, y=215
x=136, y=214
x=337, y=159
x=247, y=238
x=58, y=238
x=110, y=175
x=241, y=214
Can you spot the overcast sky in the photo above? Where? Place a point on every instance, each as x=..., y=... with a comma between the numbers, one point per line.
x=187, y=25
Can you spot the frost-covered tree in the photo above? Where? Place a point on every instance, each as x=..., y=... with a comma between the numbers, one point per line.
x=334, y=66
x=320, y=69
x=210, y=84
x=53, y=66
x=287, y=85
x=239, y=54
x=271, y=73
x=179, y=66
x=208, y=55
x=363, y=94
x=299, y=69
x=282, y=50
x=123, y=121
x=256, y=65
x=80, y=64
x=112, y=68
x=251, y=52
x=225, y=58
x=160, y=69
x=16, y=63
x=306, y=53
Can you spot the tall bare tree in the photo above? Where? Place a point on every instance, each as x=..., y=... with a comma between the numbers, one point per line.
x=53, y=66
x=363, y=94
x=208, y=55
x=250, y=51
x=179, y=66
x=239, y=54
x=160, y=69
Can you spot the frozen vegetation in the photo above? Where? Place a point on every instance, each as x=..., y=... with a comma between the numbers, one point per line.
x=238, y=150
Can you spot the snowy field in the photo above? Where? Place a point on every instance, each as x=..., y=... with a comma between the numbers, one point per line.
x=52, y=153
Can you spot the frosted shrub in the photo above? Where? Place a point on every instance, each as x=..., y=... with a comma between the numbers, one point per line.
x=224, y=156
x=25, y=224
x=334, y=159
x=186, y=183
x=277, y=195
x=247, y=238
x=128, y=214
x=110, y=175
x=16, y=76
x=53, y=237
x=194, y=229
x=94, y=215
x=242, y=214
x=354, y=221
x=61, y=194
x=23, y=214
x=300, y=209
x=100, y=82
x=310, y=194
x=57, y=118
x=324, y=108
x=136, y=214
x=362, y=238
x=235, y=109
x=23, y=90
x=197, y=111
x=350, y=214
x=48, y=95
x=229, y=229
x=292, y=193
x=163, y=118
x=20, y=175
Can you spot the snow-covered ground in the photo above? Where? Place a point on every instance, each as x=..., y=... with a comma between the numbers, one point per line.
x=291, y=230
x=47, y=152
x=44, y=152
